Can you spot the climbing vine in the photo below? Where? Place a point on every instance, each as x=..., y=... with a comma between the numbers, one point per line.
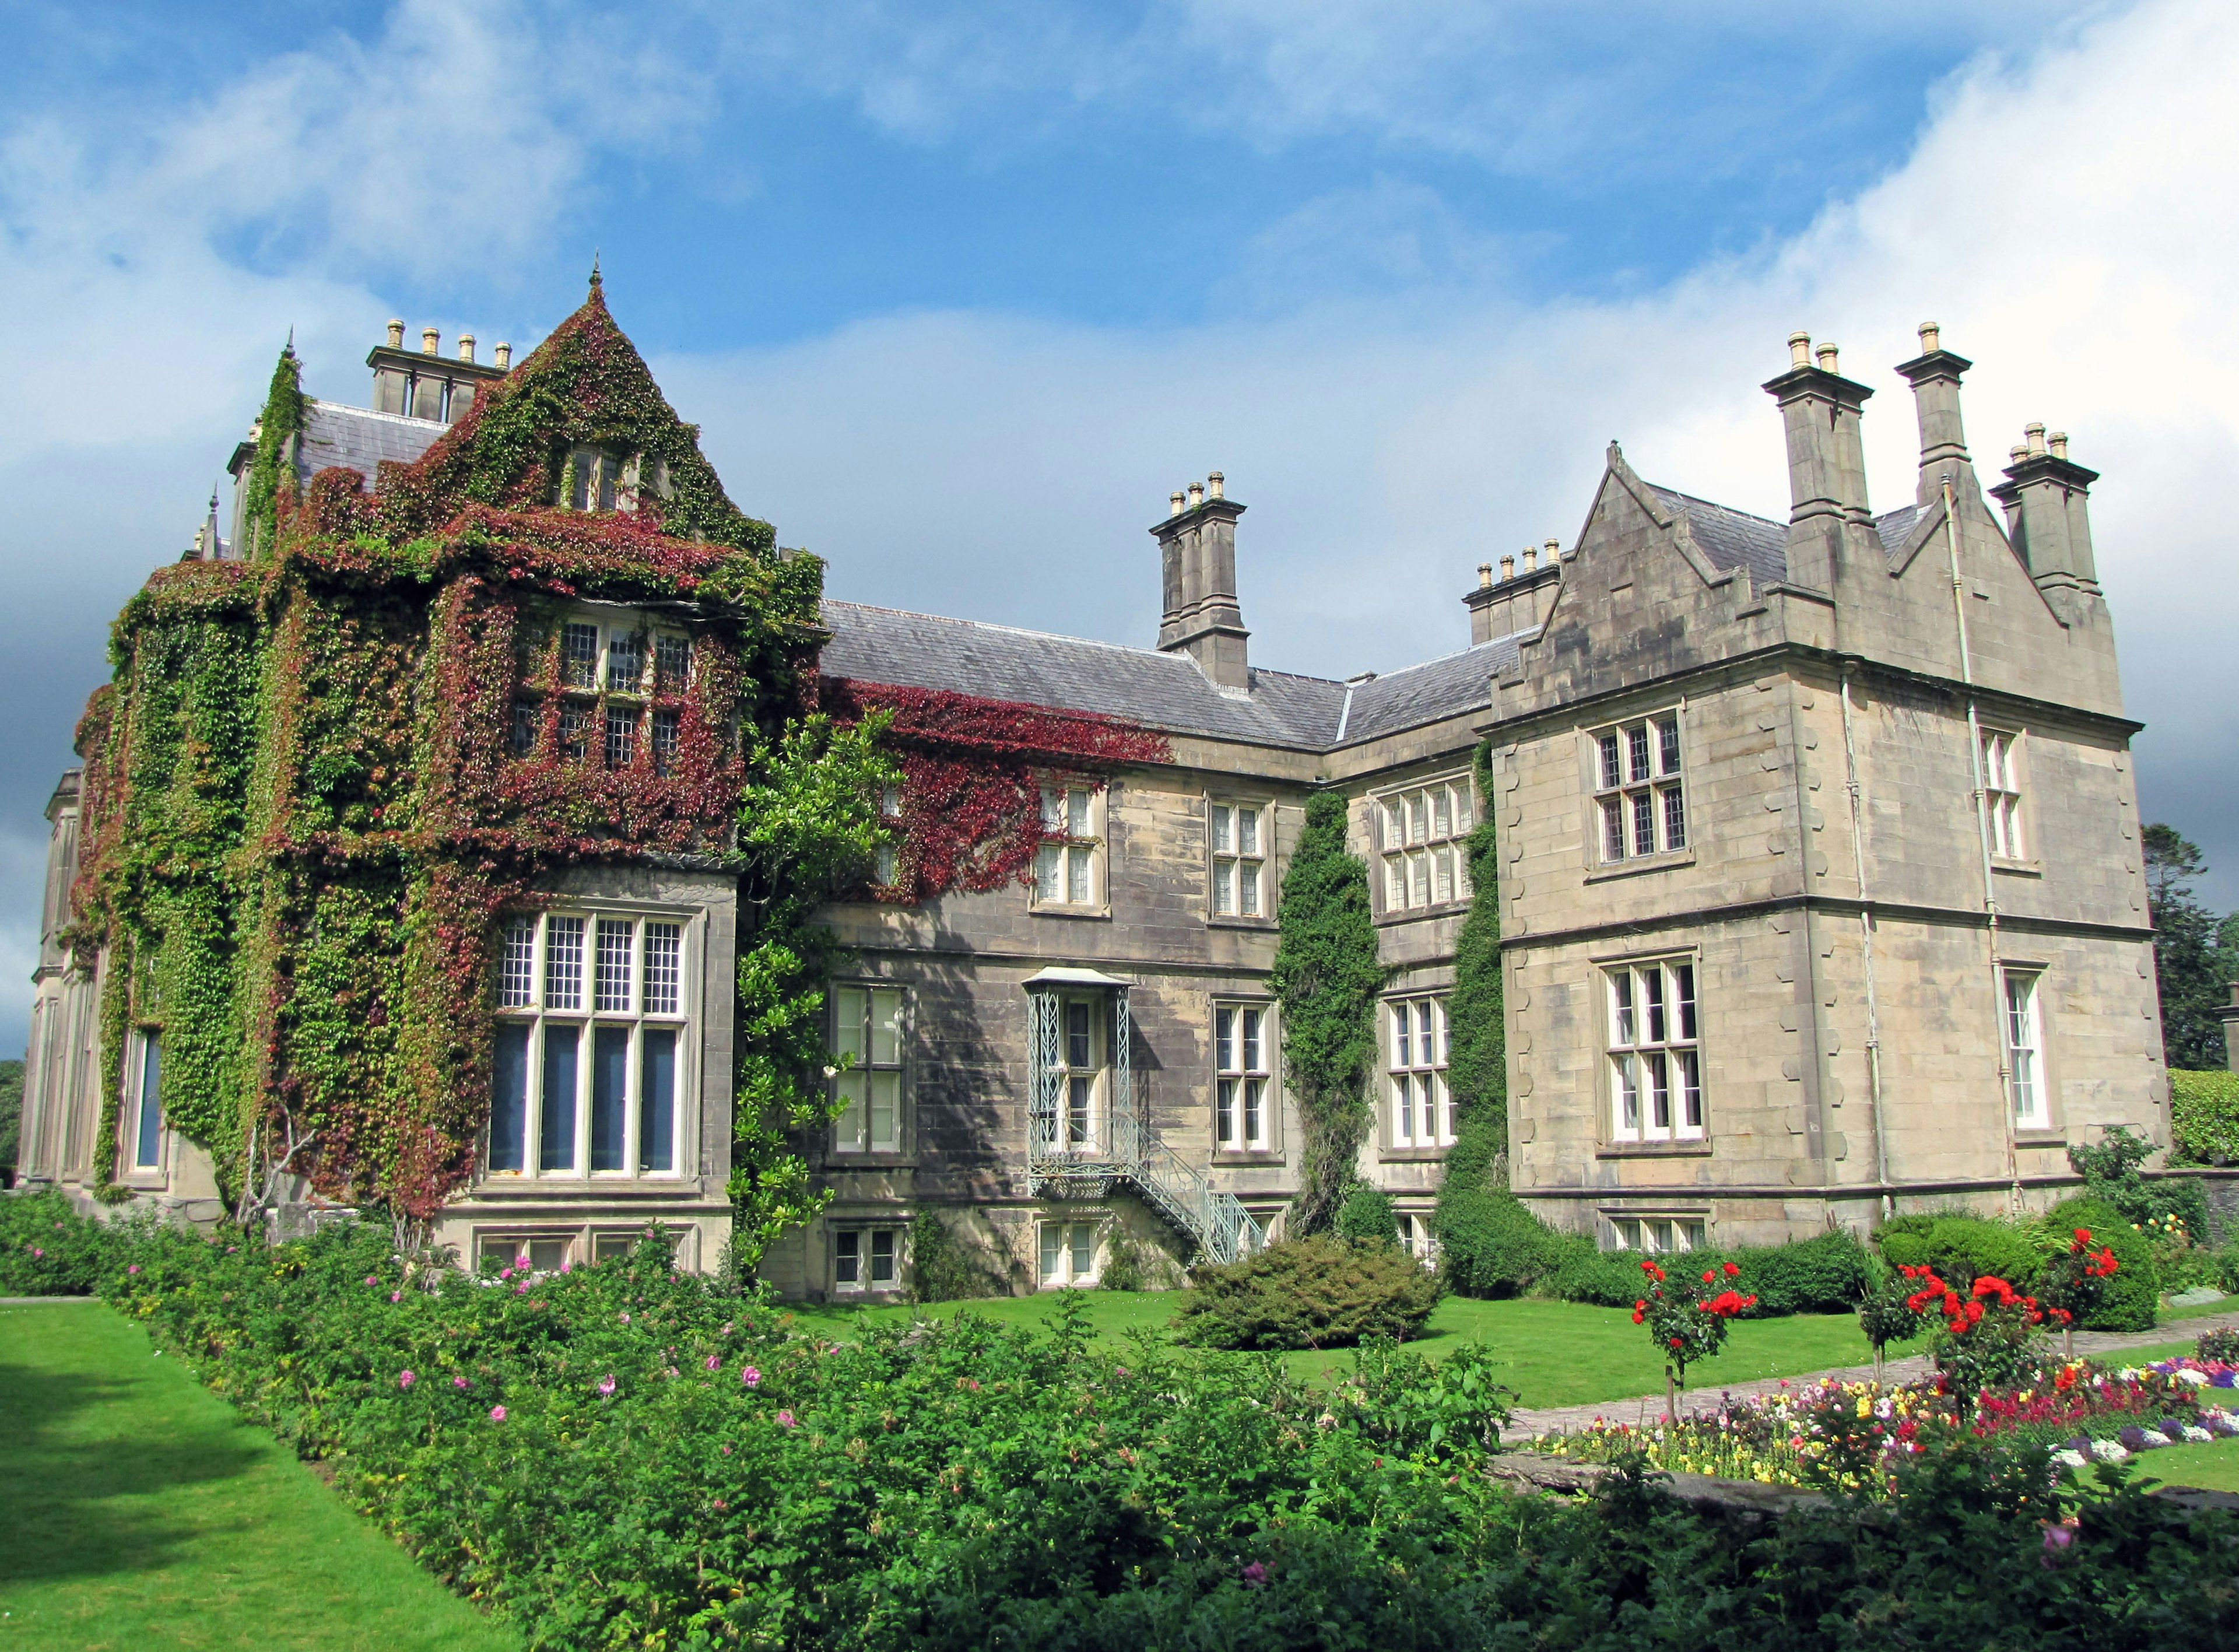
x=1325, y=980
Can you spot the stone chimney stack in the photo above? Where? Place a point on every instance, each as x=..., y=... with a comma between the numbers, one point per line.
x=1826, y=463
x=1196, y=555
x=2046, y=496
x=1934, y=375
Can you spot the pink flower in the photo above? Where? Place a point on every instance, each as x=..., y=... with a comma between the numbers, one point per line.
x=406, y=1379
x=1254, y=1575
x=369, y=1279
x=133, y=1268
x=715, y=1361
x=497, y=1414
x=397, y=1296
x=459, y=1381
x=751, y=1377
x=607, y=1384
x=625, y=1319
x=36, y=1251
x=785, y=1420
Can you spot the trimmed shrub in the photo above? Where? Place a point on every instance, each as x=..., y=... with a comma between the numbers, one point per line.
x=1314, y=1292
x=1367, y=1217
x=1827, y=1274
x=1491, y=1245
x=47, y=1249
x=1605, y=1278
x=2205, y=1117
x=2128, y=1301
x=1957, y=1245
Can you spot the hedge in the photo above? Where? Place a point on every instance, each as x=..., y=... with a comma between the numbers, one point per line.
x=1958, y=1246
x=2134, y=1292
x=2204, y=1115
x=1316, y=1292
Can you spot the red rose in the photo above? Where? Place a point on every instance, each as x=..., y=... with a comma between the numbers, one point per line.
x=1708, y=1276
x=1637, y=1316
x=1675, y=1342
x=1733, y=1270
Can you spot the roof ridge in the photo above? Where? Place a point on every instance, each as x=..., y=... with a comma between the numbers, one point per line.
x=375, y=413
x=1731, y=511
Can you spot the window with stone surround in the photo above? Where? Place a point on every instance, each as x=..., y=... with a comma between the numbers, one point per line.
x=1640, y=803
x=2023, y=1026
x=1243, y=1077
x=868, y=1028
x=1238, y=837
x=1655, y=1057
x=1068, y=1252
x=1069, y=870
x=2002, y=793
x=1659, y=1235
x=1421, y=1108
x=1421, y=830
x=866, y=1258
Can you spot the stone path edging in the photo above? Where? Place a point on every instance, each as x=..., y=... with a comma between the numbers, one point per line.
x=1527, y=1423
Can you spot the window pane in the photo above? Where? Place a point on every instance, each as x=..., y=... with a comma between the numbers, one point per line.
x=664, y=741
x=1659, y=1092
x=563, y=964
x=1442, y=818
x=625, y=661
x=1083, y=1250
x=1675, y=819
x=1047, y=872
x=1426, y=1045
x=1223, y=886
x=611, y=978
x=609, y=1095
x=1052, y=810
x=882, y=1256
x=1442, y=866
x=574, y=732
x=1255, y=1120
x=1621, y=1006
x=852, y=1133
x=1247, y=888
x=1076, y=813
x=656, y=1099
x=1444, y=1101
x=1080, y=1099
x=1395, y=883
x=1462, y=807
x=848, y=1015
x=664, y=946
x=1395, y=824
x=1683, y=991
x=521, y=737
x=1651, y=982
x=1637, y=750
x=1224, y=1056
x=1612, y=829
x=1247, y=831
x=848, y=1257
x=672, y=657
x=886, y=1112
x=1689, y=1078
x=1644, y=823
x=1419, y=818
x=1667, y=731
x=148, y=1144
x=1251, y=1062
x=579, y=656
x=516, y=986
x=1403, y=1111
x=1613, y=773
x=508, y=1099
x=1628, y=1096
x=1418, y=879
x=1224, y=1107
x=556, y=1136
x=1049, y=1235
x=621, y=736
x=1079, y=1053
x=886, y=1026
x=1077, y=888
x=1223, y=829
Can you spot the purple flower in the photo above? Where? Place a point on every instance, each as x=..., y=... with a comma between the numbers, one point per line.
x=406, y=1379
x=1255, y=1575
x=785, y=1420
x=2056, y=1540
x=2132, y=1436
x=751, y=1377
x=497, y=1414
x=607, y=1384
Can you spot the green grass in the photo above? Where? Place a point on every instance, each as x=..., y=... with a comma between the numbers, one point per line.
x=2200, y=1311
x=1553, y=1353
x=2212, y=1467
x=141, y=1513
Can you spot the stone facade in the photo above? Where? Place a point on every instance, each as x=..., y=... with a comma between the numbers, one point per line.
x=1820, y=891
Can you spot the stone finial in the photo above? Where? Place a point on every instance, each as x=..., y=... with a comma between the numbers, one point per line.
x=1799, y=350
x=430, y=341
x=1174, y=503
x=2057, y=442
x=466, y=347
x=502, y=354
x=396, y=332
x=1196, y=495
x=1216, y=485
x=1931, y=334
x=1530, y=559
x=1484, y=575
x=1827, y=357
x=2035, y=435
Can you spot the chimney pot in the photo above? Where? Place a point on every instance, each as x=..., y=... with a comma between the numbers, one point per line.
x=2018, y=453
x=466, y=347
x=1827, y=357
x=430, y=340
x=1196, y=494
x=396, y=332
x=1930, y=335
x=504, y=354
x=1174, y=503
x=1799, y=350
x=1484, y=575
x=2035, y=433
x=1530, y=559
x=2058, y=442
x=1554, y=552
x=1215, y=485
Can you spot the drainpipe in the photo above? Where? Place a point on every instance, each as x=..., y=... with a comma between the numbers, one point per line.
x=1866, y=943
x=1982, y=834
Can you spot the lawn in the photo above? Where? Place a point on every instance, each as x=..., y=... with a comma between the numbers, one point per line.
x=2214, y=1467
x=2200, y=1311
x=1553, y=1353
x=142, y=1513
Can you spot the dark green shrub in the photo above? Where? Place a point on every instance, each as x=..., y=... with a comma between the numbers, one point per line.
x=1826, y=1274
x=1963, y=1248
x=47, y=1249
x=1123, y=1263
x=942, y=1269
x=2128, y=1299
x=2110, y=1172
x=1605, y=1278
x=1491, y=1245
x=1308, y=1293
x=1367, y=1217
x=2205, y=1117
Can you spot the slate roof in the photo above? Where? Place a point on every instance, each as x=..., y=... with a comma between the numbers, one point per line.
x=361, y=438
x=1895, y=527
x=1732, y=538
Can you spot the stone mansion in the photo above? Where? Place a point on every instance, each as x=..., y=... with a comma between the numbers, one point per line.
x=1821, y=896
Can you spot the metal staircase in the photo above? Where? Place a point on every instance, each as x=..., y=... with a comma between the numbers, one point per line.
x=1082, y=1152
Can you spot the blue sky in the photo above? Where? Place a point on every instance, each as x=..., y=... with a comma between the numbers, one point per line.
x=959, y=293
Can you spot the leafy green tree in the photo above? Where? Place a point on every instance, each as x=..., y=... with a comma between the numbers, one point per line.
x=2196, y=954
x=11, y=1118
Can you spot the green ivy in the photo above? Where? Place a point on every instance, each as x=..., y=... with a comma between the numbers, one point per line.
x=272, y=468
x=1326, y=979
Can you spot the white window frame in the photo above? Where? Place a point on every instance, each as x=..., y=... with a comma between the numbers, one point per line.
x=1416, y=1237
x=861, y=1011
x=1069, y=868
x=544, y=1250
x=2020, y=1025
x=2002, y=793
x=1652, y=1026
x=551, y=1008
x=1085, y=1090
x=1639, y=808
x=1243, y=1046
x=1660, y=1236
x=866, y=1257
x=613, y=687
x=1419, y=1103
x=1422, y=831
x=1237, y=838
x=1068, y=1251
x=141, y=1160
x=600, y=480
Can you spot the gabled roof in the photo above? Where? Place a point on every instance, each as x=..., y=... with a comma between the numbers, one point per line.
x=361, y=438
x=1730, y=538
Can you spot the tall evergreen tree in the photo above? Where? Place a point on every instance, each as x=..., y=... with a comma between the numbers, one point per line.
x=2195, y=952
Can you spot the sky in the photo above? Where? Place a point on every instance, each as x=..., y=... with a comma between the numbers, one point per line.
x=958, y=294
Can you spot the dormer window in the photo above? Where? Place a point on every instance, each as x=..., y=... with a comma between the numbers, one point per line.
x=592, y=479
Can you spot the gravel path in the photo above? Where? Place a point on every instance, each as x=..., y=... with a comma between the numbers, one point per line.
x=1648, y=1408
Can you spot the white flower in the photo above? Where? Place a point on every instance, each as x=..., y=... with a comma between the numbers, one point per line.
x=2196, y=1435
x=2070, y=1459
x=2153, y=1437
x=2198, y=1379
x=2109, y=1450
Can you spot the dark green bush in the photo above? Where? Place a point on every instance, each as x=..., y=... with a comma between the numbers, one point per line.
x=1826, y=1274
x=1491, y=1245
x=47, y=1249
x=1605, y=1278
x=1963, y=1248
x=1308, y=1293
x=942, y=1269
x=1367, y=1217
x=2128, y=1300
